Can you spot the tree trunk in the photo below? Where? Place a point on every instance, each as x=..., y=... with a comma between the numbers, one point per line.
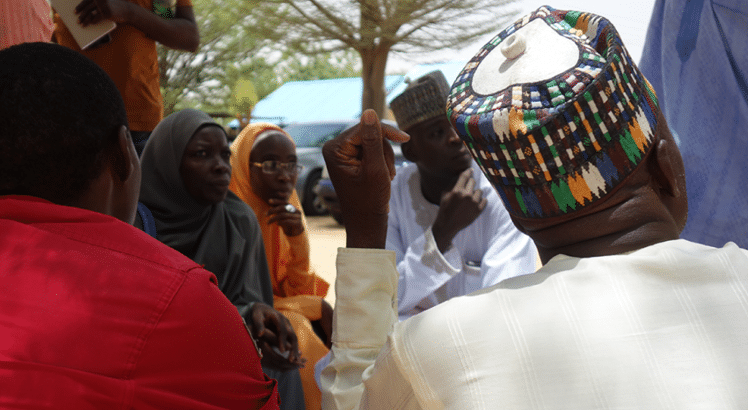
x=374, y=62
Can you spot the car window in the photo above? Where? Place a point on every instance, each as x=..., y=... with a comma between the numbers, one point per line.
x=314, y=135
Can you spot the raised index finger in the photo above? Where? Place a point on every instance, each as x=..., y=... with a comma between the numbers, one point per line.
x=372, y=143
x=394, y=134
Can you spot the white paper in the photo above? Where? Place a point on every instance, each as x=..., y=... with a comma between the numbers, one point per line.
x=84, y=36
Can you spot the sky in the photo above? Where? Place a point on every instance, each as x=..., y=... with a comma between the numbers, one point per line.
x=630, y=17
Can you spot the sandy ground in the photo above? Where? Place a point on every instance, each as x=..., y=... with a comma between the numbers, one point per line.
x=325, y=236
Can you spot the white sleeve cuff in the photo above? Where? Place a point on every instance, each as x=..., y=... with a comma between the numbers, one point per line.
x=365, y=296
x=449, y=261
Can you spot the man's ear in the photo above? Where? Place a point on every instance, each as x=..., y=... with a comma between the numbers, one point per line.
x=124, y=158
x=662, y=168
x=668, y=173
x=666, y=163
x=408, y=151
x=125, y=177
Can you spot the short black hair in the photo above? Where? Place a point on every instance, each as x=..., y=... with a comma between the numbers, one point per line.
x=60, y=115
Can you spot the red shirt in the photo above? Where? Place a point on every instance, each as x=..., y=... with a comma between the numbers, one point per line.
x=94, y=313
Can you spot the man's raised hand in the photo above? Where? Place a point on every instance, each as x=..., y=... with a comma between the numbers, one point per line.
x=361, y=165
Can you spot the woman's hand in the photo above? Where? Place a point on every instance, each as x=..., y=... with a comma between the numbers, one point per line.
x=276, y=338
x=286, y=216
x=458, y=208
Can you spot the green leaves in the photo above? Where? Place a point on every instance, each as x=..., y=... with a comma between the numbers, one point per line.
x=268, y=42
x=237, y=51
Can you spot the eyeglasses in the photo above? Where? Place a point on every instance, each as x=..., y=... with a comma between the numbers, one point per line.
x=273, y=167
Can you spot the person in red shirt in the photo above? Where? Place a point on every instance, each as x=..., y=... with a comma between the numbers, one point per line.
x=95, y=313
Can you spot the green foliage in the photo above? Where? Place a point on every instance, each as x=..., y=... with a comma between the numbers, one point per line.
x=258, y=71
x=226, y=38
x=407, y=25
x=236, y=50
x=269, y=42
x=320, y=66
x=244, y=96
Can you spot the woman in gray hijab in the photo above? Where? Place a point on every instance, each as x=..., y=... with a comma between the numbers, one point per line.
x=185, y=178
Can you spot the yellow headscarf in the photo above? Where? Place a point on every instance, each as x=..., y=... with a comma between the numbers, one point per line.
x=288, y=257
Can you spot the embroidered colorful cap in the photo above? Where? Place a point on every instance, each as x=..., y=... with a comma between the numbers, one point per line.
x=555, y=112
x=423, y=100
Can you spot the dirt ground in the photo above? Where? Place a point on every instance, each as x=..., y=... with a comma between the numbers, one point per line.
x=325, y=236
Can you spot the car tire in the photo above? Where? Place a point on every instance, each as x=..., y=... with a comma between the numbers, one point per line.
x=313, y=204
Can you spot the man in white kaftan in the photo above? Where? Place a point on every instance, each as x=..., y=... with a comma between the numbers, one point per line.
x=483, y=254
x=664, y=327
x=623, y=314
x=447, y=226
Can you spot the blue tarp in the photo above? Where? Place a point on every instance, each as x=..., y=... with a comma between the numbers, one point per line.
x=337, y=99
x=318, y=100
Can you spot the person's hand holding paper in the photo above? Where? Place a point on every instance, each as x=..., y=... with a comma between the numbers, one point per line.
x=84, y=34
x=94, y=11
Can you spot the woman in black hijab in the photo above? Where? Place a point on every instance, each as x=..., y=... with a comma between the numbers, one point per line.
x=185, y=178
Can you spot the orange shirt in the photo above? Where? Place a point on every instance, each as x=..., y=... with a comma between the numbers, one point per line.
x=130, y=58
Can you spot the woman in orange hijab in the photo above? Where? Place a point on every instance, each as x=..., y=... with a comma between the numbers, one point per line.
x=265, y=172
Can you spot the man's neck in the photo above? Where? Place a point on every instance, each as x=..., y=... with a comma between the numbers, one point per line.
x=626, y=227
x=612, y=244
